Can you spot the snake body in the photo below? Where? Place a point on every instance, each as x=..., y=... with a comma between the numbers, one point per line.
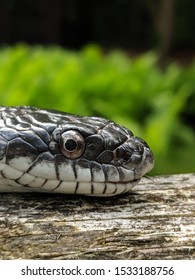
x=50, y=151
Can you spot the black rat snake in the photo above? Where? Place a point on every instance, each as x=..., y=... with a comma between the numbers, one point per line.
x=50, y=151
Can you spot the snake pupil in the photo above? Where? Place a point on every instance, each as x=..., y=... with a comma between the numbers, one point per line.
x=70, y=145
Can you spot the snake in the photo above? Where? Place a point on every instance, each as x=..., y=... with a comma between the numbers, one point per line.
x=51, y=151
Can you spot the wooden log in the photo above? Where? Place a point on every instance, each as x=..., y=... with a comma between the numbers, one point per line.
x=155, y=221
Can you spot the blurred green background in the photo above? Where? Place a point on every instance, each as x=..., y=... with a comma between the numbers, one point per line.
x=148, y=89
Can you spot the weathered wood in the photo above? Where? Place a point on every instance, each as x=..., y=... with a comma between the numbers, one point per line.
x=155, y=221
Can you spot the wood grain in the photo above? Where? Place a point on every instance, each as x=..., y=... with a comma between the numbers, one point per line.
x=155, y=221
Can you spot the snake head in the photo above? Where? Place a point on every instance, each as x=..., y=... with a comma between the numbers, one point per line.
x=51, y=151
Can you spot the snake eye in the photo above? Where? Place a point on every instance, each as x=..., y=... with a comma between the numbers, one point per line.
x=72, y=144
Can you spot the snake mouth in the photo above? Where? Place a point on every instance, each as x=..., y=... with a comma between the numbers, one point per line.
x=109, y=189
x=124, y=182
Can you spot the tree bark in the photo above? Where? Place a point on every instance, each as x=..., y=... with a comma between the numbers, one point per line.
x=155, y=221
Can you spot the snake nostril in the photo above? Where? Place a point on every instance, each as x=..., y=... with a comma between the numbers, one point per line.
x=136, y=158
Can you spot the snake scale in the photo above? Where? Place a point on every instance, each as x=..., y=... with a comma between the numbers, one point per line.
x=51, y=151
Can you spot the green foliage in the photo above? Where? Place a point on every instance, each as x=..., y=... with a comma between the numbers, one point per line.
x=132, y=92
